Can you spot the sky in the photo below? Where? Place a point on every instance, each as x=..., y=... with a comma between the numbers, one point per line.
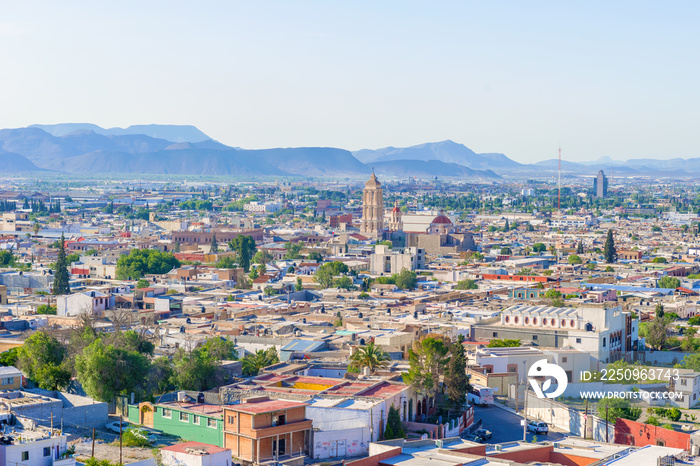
x=600, y=78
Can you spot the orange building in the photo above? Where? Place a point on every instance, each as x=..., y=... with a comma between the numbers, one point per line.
x=260, y=430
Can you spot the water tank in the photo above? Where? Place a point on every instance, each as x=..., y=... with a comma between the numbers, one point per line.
x=415, y=314
x=182, y=329
x=297, y=333
x=200, y=398
x=360, y=315
x=695, y=450
x=362, y=341
x=181, y=396
x=303, y=321
x=188, y=321
x=353, y=337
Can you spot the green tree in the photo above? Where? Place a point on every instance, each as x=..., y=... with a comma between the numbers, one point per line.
x=466, y=285
x=574, y=259
x=609, y=251
x=659, y=260
x=61, y=279
x=200, y=369
x=293, y=250
x=394, y=427
x=617, y=408
x=46, y=309
x=298, y=286
x=9, y=357
x=245, y=248
x=105, y=371
x=143, y=284
x=315, y=256
x=657, y=329
x=255, y=362
x=579, y=248
x=41, y=357
x=539, y=247
x=214, y=245
x=456, y=382
x=140, y=262
x=344, y=282
x=370, y=356
x=7, y=259
x=506, y=251
x=669, y=282
x=406, y=280
x=427, y=360
x=226, y=262
x=253, y=273
x=262, y=257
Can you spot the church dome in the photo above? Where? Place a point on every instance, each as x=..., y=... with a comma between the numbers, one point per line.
x=441, y=220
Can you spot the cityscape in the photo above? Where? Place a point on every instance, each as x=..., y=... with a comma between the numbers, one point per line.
x=363, y=235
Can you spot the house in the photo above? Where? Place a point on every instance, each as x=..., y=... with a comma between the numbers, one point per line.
x=10, y=378
x=195, y=454
x=260, y=430
x=94, y=302
x=35, y=447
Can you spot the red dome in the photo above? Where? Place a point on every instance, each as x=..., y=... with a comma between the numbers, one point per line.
x=396, y=209
x=441, y=220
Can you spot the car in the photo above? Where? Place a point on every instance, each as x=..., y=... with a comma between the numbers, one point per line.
x=114, y=426
x=483, y=433
x=474, y=438
x=538, y=427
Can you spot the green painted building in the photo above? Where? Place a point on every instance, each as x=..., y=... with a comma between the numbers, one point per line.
x=199, y=422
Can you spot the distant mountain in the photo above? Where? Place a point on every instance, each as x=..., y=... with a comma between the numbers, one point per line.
x=14, y=163
x=444, y=151
x=429, y=168
x=174, y=133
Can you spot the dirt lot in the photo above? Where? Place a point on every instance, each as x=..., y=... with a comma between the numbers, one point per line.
x=107, y=446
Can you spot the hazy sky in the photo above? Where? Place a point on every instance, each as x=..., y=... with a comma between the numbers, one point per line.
x=606, y=78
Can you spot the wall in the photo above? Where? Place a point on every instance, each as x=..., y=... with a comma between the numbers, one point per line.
x=540, y=455
x=374, y=460
x=628, y=433
x=77, y=410
x=570, y=460
x=188, y=430
x=568, y=419
x=356, y=442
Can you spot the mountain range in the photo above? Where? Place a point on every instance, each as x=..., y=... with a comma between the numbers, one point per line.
x=185, y=150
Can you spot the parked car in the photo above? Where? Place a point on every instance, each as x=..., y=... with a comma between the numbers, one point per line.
x=474, y=438
x=144, y=434
x=483, y=433
x=538, y=427
x=114, y=426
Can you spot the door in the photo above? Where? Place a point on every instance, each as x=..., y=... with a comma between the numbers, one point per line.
x=341, y=448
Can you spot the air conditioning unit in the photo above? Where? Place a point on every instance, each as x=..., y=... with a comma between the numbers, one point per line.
x=438, y=443
x=498, y=447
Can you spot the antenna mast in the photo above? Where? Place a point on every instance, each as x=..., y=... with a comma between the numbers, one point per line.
x=559, y=183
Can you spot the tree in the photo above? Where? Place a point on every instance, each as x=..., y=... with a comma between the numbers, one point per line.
x=226, y=262
x=293, y=250
x=657, y=329
x=609, y=251
x=46, y=309
x=253, y=363
x=659, y=260
x=669, y=282
x=370, y=356
x=253, y=273
x=344, y=282
x=539, y=247
x=262, y=257
x=9, y=357
x=456, y=382
x=61, y=283
x=394, y=427
x=406, y=280
x=245, y=248
x=41, y=358
x=503, y=343
x=315, y=256
x=579, y=248
x=506, y=251
x=466, y=285
x=262, y=269
x=105, y=371
x=140, y=262
x=427, y=360
x=574, y=259
x=692, y=361
x=214, y=245
x=143, y=284
x=7, y=259
x=506, y=227
x=617, y=408
x=298, y=286
x=200, y=369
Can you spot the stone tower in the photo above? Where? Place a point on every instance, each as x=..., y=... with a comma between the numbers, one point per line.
x=372, y=208
x=395, y=223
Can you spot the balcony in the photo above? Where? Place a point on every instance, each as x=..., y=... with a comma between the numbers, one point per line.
x=274, y=430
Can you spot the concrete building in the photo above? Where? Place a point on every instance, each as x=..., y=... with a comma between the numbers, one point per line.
x=262, y=207
x=35, y=447
x=372, y=208
x=260, y=430
x=396, y=222
x=204, y=237
x=195, y=454
x=600, y=185
x=390, y=261
x=92, y=301
x=10, y=378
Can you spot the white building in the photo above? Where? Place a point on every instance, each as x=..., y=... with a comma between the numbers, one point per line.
x=195, y=454
x=35, y=448
x=390, y=261
x=262, y=207
x=77, y=303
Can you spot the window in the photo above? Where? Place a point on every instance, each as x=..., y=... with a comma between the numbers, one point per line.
x=25, y=456
x=495, y=334
x=564, y=359
x=184, y=417
x=7, y=381
x=603, y=342
x=167, y=413
x=211, y=423
x=231, y=419
x=534, y=337
x=47, y=451
x=578, y=340
x=684, y=382
x=195, y=419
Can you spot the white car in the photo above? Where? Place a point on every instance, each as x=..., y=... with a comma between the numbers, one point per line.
x=114, y=426
x=538, y=427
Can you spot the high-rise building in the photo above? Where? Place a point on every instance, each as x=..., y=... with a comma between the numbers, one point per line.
x=372, y=208
x=600, y=185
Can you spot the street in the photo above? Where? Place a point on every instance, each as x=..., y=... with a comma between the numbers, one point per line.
x=506, y=427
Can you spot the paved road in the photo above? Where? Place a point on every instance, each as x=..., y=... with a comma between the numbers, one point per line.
x=506, y=427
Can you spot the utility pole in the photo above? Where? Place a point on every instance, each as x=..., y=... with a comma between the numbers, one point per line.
x=92, y=455
x=606, y=424
x=525, y=417
x=585, y=422
x=120, y=439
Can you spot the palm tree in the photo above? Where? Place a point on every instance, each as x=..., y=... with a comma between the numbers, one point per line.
x=259, y=360
x=370, y=356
